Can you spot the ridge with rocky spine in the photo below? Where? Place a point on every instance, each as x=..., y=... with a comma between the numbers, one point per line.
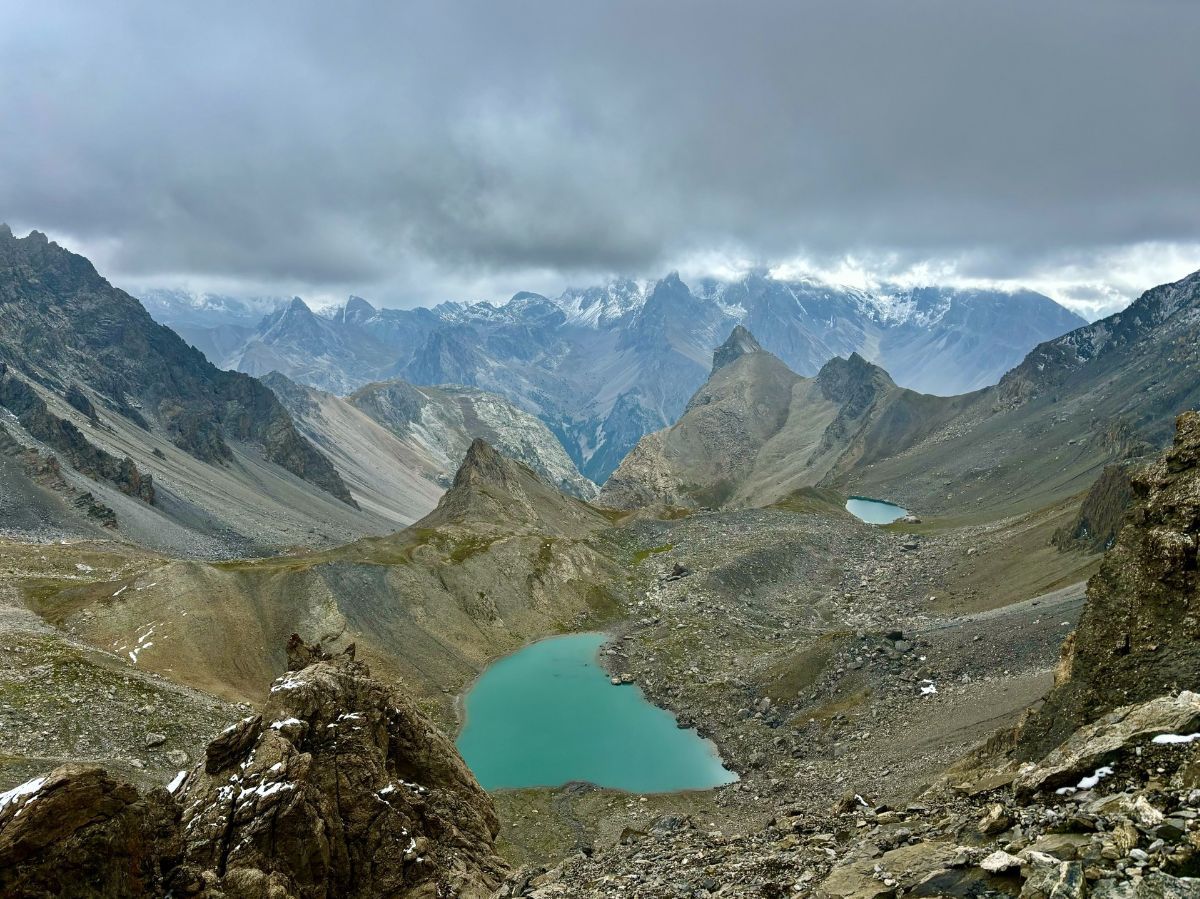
x=65, y=326
x=492, y=492
x=738, y=344
x=757, y=431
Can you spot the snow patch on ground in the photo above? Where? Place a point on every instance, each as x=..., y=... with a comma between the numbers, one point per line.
x=1172, y=739
x=29, y=788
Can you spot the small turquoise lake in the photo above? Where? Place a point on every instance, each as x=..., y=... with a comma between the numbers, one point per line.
x=548, y=715
x=874, y=511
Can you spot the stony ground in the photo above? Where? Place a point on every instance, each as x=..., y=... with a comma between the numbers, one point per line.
x=61, y=699
x=820, y=655
x=817, y=652
x=1130, y=830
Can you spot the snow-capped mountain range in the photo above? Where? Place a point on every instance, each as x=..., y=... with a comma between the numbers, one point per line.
x=602, y=366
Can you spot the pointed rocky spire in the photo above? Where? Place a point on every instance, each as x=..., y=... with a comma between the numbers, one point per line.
x=740, y=343
x=356, y=310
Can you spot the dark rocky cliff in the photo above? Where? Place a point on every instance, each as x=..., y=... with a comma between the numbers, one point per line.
x=1139, y=636
x=341, y=787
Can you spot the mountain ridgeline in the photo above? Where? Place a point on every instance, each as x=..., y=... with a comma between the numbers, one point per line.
x=69, y=330
x=756, y=431
x=605, y=365
x=116, y=422
x=398, y=445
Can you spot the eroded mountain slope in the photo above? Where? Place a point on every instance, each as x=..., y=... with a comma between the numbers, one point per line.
x=504, y=558
x=113, y=421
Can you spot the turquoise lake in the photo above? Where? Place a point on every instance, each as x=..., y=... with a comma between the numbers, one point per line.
x=547, y=715
x=874, y=511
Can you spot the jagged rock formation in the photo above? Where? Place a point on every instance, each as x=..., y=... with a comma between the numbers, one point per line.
x=494, y=493
x=398, y=446
x=80, y=832
x=66, y=329
x=340, y=788
x=1139, y=636
x=44, y=470
x=603, y=366
x=59, y=434
x=738, y=344
x=444, y=420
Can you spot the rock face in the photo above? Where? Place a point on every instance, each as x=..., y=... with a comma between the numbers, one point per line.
x=757, y=431
x=739, y=343
x=494, y=493
x=79, y=831
x=340, y=788
x=59, y=434
x=1119, y=732
x=1139, y=636
x=69, y=331
x=444, y=420
x=1102, y=513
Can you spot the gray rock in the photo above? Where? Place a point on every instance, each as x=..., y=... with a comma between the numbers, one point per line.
x=1094, y=745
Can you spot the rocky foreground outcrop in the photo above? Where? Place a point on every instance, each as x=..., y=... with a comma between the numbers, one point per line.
x=1139, y=636
x=340, y=788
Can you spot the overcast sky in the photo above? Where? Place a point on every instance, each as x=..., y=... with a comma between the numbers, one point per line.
x=414, y=152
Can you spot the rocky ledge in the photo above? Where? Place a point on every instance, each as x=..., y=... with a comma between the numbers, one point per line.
x=341, y=787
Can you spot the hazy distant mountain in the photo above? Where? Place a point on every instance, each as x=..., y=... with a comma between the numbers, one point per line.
x=215, y=324
x=604, y=365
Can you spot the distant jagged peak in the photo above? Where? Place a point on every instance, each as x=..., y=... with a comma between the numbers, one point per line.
x=357, y=310
x=298, y=305
x=739, y=343
x=840, y=379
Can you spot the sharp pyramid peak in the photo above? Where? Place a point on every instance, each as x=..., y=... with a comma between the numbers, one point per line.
x=739, y=343
x=482, y=463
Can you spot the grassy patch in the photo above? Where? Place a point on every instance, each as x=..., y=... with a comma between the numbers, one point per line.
x=643, y=554
x=813, y=500
x=471, y=546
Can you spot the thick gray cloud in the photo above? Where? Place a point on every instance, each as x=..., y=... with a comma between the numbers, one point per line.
x=412, y=150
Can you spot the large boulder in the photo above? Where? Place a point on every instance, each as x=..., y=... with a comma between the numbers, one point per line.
x=340, y=788
x=1119, y=732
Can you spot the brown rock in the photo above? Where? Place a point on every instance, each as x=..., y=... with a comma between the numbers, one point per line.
x=79, y=831
x=1139, y=636
x=342, y=788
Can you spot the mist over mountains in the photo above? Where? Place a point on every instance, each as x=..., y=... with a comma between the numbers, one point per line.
x=604, y=365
